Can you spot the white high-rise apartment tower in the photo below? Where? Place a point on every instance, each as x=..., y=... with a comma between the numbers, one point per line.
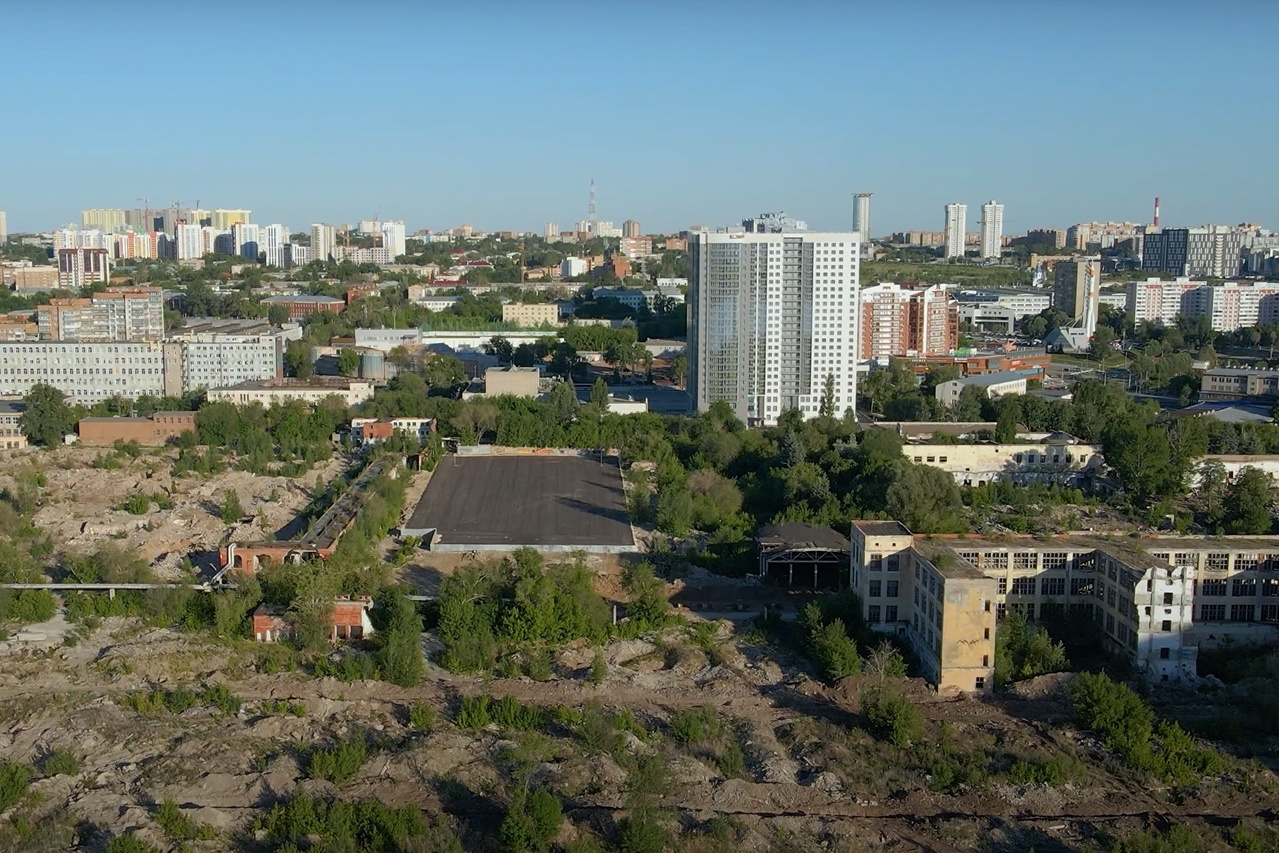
x=247, y=240
x=861, y=215
x=4, y=228
x=956, y=223
x=274, y=239
x=992, y=229
x=323, y=242
x=393, y=239
x=773, y=318
x=188, y=241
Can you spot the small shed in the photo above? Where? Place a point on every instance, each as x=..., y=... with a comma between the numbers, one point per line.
x=803, y=556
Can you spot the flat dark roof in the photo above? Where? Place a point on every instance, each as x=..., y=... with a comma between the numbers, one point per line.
x=882, y=528
x=798, y=536
x=517, y=500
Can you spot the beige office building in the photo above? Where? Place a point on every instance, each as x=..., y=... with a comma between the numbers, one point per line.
x=531, y=315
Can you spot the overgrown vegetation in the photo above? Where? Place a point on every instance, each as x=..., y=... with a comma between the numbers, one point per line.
x=1128, y=727
x=1022, y=651
x=518, y=606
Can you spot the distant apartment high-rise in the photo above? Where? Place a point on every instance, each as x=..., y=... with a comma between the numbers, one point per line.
x=216, y=241
x=188, y=241
x=772, y=319
x=393, y=239
x=630, y=228
x=79, y=267
x=132, y=314
x=551, y=231
x=225, y=219
x=1209, y=251
x=4, y=228
x=861, y=215
x=956, y=222
x=898, y=321
x=246, y=240
x=1077, y=289
x=323, y=242
x=109, y=219
x=992, y=229
x=132, y=244
x=274, y=239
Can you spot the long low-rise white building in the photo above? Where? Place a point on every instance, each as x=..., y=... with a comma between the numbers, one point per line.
x=1229, y=305
x=277, y=391
x=1063, y=461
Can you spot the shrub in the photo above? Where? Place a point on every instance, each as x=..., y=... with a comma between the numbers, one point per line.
x=338, y=763
x=599, y=668
x=231, y=511
x=223, y=699
x=129, y=844
x=1126, y=725
x=891, y=717
x=14, y=779
x=641, y=833
x=696, y=725
x=136, y=505
x=179, y=827
x=422, y=716
x=59, y=762
x=532, y=821
x=731, y=760
x=473, y=713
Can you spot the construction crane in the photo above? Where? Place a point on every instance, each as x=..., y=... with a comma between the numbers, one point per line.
x=148, y=225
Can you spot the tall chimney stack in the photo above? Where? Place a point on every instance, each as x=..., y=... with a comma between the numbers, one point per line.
x=1156, y=222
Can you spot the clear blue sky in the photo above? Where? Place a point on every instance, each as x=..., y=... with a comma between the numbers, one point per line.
x=499, y=113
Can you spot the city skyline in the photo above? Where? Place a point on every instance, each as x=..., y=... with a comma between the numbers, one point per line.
x=401, y=148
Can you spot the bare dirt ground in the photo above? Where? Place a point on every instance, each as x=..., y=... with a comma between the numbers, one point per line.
x=80, y=504
x=808, y=773
x=811, y=779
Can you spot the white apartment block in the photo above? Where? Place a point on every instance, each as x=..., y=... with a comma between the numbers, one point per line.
x=323, y=242
x=274, y=239
x=4, y=227
x=954, y=233
x=772, y=315
x=992, y=229
x=188, y=242
x=88, y=373
x=393, y=239
x=1229, y=305
x=220, y=361
x=246, y=240
x=571, y=267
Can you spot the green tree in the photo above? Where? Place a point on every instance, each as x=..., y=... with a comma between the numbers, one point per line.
x=679, y=370
x=231, y=511
x=348, y=362
x=400, y=656
x=297, y=360
x=277, y=315
x=827, y=407
x=1250, y=503
x=1099, y=346
x=924, y=499
x=1213, y=490
x=968, y=408
x=792, y=449
x=500, y=347
x=47, y=417
x=562, y=401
